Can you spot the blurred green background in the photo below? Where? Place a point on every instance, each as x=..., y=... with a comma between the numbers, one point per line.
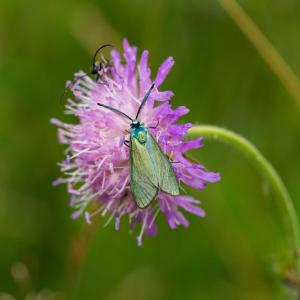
x=238, y=250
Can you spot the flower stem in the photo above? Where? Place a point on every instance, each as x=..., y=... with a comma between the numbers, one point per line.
x=247, y=148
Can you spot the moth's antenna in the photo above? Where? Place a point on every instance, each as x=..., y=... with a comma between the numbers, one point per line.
x=98, y=50
x=115, y=110
x=144, y=100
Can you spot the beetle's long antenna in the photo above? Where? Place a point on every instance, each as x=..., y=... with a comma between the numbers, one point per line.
x=98, y=50
x=116, y=111
x=144, y=100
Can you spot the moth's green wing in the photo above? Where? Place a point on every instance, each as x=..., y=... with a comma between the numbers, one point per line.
x=163, y=170
x=150, y=171
x=143, y=189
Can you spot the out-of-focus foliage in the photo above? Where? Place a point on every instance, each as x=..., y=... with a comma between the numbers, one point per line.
x=237, y=251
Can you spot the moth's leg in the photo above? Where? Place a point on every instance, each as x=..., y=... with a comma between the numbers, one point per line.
x=127, y=143
x=154, y=127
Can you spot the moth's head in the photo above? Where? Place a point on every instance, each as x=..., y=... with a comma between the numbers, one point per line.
x=135, y=124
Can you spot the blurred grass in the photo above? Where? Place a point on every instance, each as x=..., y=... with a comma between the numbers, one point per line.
x=275, y=61
x=232, y=253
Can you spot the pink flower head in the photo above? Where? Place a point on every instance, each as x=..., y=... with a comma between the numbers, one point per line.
x=97, y=165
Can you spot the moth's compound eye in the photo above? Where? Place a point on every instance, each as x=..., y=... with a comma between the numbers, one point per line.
x=142, y=137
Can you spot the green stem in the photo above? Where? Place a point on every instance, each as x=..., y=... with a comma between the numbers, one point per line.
x=247, y=148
